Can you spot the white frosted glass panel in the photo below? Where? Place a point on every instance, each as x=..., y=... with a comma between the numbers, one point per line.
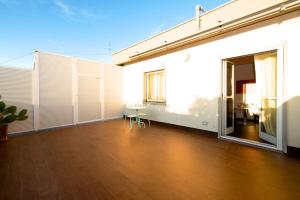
x=88, y=67
x=16, y=89
x=89, y=106
x=55, y=82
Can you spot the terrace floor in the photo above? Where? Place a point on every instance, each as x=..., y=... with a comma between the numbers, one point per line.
x=108, y=160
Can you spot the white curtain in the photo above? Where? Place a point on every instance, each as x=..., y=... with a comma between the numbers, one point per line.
x=265, y=69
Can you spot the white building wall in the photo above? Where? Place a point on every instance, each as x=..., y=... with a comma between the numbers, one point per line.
x=292, y=63
x=193, y=75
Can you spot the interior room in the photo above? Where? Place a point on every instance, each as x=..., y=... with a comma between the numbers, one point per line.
x=246, y=100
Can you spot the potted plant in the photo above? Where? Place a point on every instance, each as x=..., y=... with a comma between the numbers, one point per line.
x=8, y=115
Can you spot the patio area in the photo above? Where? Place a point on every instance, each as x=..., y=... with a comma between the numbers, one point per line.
x=108, y=160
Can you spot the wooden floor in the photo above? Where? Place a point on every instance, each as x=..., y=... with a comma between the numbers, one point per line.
x=109, y=161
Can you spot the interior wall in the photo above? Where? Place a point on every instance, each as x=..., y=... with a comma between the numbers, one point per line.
x=193, y=75
x=16, y=89
x=242, y=72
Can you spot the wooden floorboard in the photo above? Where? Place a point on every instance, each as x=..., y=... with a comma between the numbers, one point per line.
x=108, y=160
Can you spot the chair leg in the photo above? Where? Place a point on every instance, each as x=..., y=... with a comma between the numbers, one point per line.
x=143, y=123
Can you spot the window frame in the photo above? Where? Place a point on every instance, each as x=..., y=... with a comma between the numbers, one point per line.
x=146, y=81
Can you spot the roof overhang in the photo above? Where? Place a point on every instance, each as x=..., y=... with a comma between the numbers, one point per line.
x=211, y=25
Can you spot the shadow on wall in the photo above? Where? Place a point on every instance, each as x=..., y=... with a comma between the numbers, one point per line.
x=202, y=113
x=204, y=107
x=292, y=116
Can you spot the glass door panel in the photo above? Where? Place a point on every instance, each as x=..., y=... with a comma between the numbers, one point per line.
x=228, y=98
x=229, y=115
x=268, y=120
x=266, y=79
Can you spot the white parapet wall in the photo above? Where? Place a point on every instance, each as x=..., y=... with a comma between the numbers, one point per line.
x=61, y=91
x=16, y=89
x=73, y=91
x=113, y=88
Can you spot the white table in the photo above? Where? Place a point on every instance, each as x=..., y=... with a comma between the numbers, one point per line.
x=138, y=120
x=245, y=111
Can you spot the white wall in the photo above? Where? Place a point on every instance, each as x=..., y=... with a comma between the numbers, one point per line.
x=292, y=81
x=16, y=89
x=73, y=90
x=55, y=90
x=113, y=85
x=193, y=86
x=242, y=72
x=89, y=91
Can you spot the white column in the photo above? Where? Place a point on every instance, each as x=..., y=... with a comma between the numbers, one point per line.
x=35, y=92
x=102, y=88
x=75, y=90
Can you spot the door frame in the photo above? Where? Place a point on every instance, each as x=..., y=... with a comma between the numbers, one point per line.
x=281, y=137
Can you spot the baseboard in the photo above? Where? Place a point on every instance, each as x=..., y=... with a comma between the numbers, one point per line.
x=195, y=130
x=12, y=134
x=99, y=120
x=63, y=126
x=293, y=151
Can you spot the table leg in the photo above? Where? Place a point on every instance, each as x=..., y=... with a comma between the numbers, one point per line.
x=245, y=117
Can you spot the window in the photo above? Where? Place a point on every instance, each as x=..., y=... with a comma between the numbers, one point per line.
x=155, y=86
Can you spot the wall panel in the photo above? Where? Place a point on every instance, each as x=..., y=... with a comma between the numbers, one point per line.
x=16, y=89
x=55, y=91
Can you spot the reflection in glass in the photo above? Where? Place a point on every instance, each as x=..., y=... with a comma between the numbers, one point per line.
x=268, y=116
x=229, y=116
x=152, y=86
x=161, y=85
x=229, y=79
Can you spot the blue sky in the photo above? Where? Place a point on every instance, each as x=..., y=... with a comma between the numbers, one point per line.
x=87, y=29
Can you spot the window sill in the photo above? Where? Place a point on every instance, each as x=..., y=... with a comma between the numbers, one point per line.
x=155, y=102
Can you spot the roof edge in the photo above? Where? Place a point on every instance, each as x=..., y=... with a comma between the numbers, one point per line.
x=174, y=27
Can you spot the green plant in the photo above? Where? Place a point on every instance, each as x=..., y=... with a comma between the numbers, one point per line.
x=9, y=114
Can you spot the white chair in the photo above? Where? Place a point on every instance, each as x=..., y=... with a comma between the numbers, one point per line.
x=142, y=115
x=131, y=119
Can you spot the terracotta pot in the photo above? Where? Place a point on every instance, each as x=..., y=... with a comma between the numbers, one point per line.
x=3, y=133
